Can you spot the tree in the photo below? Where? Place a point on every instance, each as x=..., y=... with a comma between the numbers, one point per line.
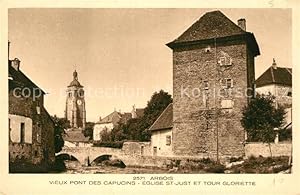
x=60, y=124
x=137, y=128
x=261, y=117
x=88, y=131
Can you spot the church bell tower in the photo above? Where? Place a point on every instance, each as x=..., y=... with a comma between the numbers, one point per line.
x=75, y=104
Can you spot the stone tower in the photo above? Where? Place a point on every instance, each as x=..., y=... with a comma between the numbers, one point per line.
x=213, y=68
x=75, y=104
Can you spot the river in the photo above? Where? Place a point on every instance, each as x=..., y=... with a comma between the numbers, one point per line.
x=73, y=167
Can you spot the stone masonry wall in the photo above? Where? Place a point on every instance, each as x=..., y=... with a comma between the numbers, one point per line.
x=195, y=126
x=41, y=149
x=257, y=149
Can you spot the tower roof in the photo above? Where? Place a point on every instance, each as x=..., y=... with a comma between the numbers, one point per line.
x=75, y=81
x=210, y=26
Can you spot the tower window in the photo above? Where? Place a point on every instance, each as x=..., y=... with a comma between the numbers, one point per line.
x=227, y=104
x=227, y=83
x=70, y=94
x=225, y=59
x=206, y=84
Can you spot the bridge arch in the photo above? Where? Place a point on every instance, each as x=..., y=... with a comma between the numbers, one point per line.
x=66, y=156
x=112, y=160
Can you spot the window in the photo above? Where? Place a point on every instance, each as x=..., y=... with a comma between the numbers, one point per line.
x=22, y=133
x=142, y=150
x=168, y=140
x=227, y=83
x=289, y=94
x=70, y=94
x=225, y=59
x=206, y=84
x=207, y=49
x=227, y=104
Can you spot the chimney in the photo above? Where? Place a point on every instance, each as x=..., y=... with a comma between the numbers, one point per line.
x=16, y=64
x=100, y=118
x=8, y=49
x=274, y=65
x=242, y=23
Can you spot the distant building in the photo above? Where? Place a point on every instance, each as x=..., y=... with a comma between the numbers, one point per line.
x=113, y=120
x=75, y=138
x=212, y=61
x=161, y=133
x=75, y=104
x=277, y=81
x=31, y=129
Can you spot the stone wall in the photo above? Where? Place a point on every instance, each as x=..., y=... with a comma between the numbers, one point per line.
x=20, y=152
x=41, y=149
x=137, y=148
x=196, y=131
x=257, y=149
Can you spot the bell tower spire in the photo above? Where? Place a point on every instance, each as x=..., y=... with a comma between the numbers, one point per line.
x=75, y=103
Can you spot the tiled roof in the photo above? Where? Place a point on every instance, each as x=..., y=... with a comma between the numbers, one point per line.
x=109, y=118
x=214, y=25
x=280, y=76
x=75, y=136
x=211, y=25
x=20, y=78
x=165, y=120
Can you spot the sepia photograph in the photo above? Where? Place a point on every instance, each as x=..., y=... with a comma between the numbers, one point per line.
x=150, y=91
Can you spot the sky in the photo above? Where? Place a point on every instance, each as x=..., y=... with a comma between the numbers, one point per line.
x=120, y=54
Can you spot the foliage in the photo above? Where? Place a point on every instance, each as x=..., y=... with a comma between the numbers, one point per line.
x=105, y=135
x=88, y=131
x=111, y=144
x=59, y=129
x=260, y=118
x=137, y=128
x=263, y=165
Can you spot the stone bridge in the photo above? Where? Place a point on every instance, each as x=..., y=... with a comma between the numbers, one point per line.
x=86, y=155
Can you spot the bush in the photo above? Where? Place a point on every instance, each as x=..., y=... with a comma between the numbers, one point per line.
x=217, y=168
x=116, y=144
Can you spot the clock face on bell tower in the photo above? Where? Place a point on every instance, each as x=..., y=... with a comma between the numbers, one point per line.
x=75, y=104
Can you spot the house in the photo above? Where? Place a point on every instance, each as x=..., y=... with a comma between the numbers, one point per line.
x=113, y=120
x=161, y=133
x=277, y=81
x=212, y=60
x=31, y=129
x=75, y=138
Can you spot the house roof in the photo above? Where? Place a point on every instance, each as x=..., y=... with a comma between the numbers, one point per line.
x=210, y=26
x=20, y=78
x=165, y=120
x=109, y=118
x=278, y=75
x=75, y=136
